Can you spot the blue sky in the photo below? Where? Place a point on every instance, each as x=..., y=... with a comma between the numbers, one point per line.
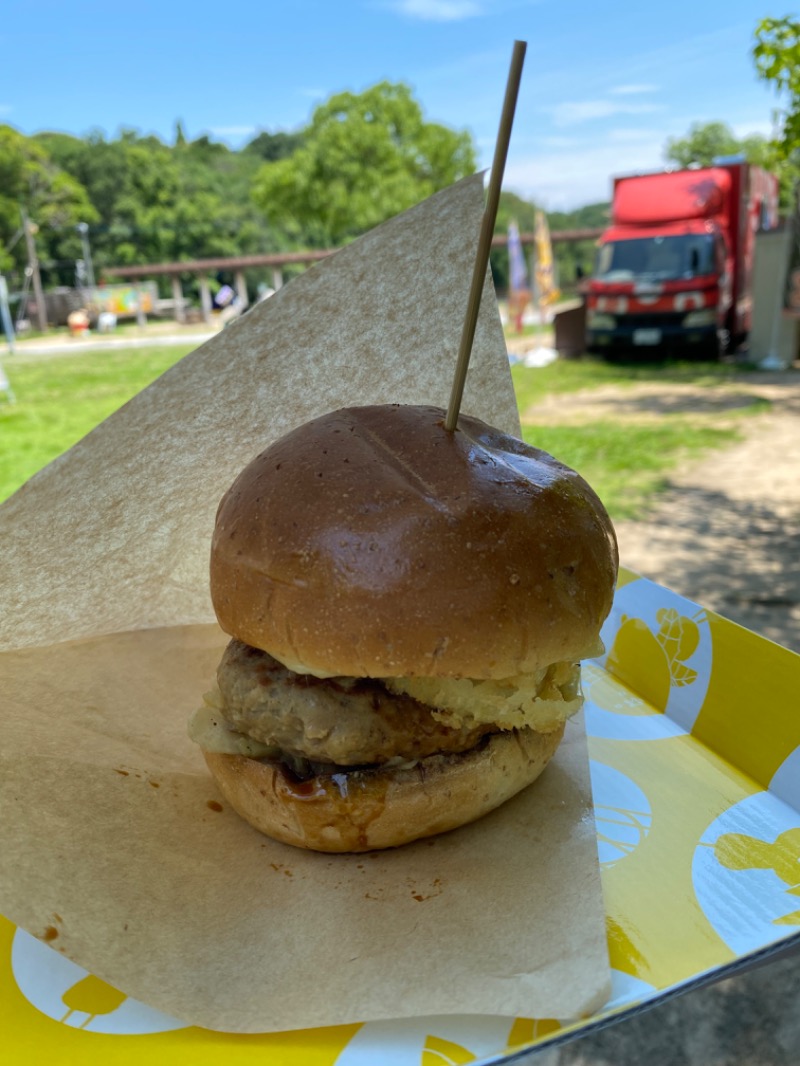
x=604, y=84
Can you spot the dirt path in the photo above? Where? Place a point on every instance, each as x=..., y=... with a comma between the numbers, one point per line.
x=726, y=534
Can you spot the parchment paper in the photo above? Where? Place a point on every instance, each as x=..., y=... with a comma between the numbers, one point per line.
x=114, y=844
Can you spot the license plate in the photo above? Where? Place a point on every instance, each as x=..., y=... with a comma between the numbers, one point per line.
x=647, y=336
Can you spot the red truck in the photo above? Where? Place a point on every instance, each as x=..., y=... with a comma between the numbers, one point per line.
x=674, y=269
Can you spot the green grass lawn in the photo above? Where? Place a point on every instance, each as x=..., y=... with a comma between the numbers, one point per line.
x=571, y=375
x=60, y=398
x=628, y=463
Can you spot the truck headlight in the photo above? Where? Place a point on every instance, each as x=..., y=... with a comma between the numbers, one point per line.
x=601, y=321
x=696, y=319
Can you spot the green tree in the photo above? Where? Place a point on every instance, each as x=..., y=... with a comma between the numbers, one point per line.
x=777, y=59
x=362, y=159
x=514, y=208
x=573, y=259
x=707, y=141
x=30, y=181
x=511, y=208
x=576, y=258
x=272, y=146
x=157, y=202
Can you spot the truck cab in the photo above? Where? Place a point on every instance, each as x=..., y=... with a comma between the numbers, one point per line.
x=673, y=270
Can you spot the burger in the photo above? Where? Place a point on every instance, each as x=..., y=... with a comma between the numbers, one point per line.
x=408, y=608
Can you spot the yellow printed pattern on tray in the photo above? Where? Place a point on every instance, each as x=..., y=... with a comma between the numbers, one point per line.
x=695, y=765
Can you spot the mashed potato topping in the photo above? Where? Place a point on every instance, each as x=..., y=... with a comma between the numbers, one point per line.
x=543, y=700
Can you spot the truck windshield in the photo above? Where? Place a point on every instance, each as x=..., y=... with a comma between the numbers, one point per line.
x=657, y=258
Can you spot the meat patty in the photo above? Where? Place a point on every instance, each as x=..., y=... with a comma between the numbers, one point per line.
x=343, y=720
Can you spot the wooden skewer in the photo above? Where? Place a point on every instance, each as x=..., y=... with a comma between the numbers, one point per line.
x=487, y=231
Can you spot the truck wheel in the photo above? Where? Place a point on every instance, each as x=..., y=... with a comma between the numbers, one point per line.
x=736, y=341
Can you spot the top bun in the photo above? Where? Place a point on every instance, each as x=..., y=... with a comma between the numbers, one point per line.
x=373, y=542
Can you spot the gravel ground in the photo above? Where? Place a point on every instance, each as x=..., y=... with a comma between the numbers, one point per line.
x=725, y=534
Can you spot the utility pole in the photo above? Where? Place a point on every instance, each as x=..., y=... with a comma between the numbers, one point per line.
x=33, y=264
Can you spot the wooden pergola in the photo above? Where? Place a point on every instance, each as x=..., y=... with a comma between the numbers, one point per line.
x=202, y=268
x=276, y=261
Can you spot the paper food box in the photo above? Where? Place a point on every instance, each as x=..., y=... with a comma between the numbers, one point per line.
x=143, y=919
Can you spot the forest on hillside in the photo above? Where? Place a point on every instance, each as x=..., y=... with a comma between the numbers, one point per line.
x=135, y=199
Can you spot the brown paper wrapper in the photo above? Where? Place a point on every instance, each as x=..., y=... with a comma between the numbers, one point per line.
x=115, y=845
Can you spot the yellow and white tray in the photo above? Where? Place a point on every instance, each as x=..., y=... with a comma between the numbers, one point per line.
x=694, y=738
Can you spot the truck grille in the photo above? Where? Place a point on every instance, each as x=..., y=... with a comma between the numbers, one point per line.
x=662, y=320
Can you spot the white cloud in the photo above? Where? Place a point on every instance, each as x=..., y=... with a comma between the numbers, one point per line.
x=563, y=179
x=571, y=112
x=747, y=129
x=561, y=175
x=437, y=10
x=632, y=90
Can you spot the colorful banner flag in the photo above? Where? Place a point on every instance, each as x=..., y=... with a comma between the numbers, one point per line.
x=517, y=270
x=546, y=291
x=519, y=292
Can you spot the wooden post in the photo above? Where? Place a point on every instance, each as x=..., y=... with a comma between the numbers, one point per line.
x=177, y=299
x=205, y=299
x=33, y=266
x=277, y=278
x=141, y=317
x=241, y=289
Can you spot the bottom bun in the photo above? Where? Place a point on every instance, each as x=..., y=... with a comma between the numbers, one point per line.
x=365, y=810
